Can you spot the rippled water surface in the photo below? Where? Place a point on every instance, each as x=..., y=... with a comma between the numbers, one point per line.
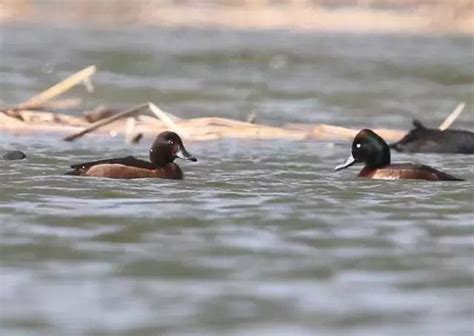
x=262, y=237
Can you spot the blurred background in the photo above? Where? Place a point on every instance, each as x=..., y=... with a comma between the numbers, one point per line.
x=413, y=16
x=286, y=61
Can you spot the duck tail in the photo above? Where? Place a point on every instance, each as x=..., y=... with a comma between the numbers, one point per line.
x=454, y=178
x=448, y=177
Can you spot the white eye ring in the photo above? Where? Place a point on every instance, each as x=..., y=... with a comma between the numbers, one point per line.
x=358, y=145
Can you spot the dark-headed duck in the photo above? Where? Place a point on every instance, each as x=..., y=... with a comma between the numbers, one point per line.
x=167, y=147
x=430, y=140
x=369, y=148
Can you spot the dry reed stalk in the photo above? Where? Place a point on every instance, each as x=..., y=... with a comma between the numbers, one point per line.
x=389, y=134
x=166, y=119
x=217, y=121
x=88, y=84
x=149, y=120
x=46, y=117
x=251, y=118
x=265, y=133
x=131, y=135
x=207, y=126
x=17, y=126
x=127, y=113
x=217, y=128
x=192, y=130
x=330, y=131
x=58, y=88
x=99, y=113
x=60, y=104
x=7, y=121
x=324, y=131
x=452, y=117
x=130, y=124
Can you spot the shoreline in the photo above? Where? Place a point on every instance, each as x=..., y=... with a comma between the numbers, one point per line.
x=425, y=20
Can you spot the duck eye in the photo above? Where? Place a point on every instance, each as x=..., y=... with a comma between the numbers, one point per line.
x=171, y=142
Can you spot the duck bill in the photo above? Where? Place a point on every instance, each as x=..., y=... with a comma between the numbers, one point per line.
x=184, y=154
x=349, y=162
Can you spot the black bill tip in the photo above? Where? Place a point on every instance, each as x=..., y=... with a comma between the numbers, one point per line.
x=184, y=154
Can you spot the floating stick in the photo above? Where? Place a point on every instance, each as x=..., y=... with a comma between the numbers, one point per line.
x=106, y=121
x=452, y=117
x=165, y=118
x=59, y=88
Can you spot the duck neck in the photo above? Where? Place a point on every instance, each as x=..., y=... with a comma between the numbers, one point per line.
x=160, y=163
x=160, y=157
x=380, y=160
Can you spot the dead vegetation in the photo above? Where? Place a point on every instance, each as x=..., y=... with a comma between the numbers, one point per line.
x=148, y=119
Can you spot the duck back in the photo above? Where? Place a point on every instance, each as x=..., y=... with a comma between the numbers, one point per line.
x=407, y=171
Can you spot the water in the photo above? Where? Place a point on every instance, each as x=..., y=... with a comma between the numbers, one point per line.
x=262, y=237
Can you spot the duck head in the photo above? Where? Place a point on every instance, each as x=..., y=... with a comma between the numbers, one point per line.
x=368, y=147
x=167, y=147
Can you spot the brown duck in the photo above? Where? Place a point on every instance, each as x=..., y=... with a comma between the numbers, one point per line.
x=165, y=149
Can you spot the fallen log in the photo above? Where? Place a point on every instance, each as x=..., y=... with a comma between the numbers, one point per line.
x=197, y=129
x=330, y=132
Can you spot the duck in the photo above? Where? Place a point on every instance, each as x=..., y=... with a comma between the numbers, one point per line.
x=422, y=139
x=165, y=149
x=369, y=148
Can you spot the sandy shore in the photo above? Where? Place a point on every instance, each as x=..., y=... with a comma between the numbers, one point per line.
x=375, y=16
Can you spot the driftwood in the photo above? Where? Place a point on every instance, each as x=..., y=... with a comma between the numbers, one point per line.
x=148, y=119
x=196, y=129
x=59, y=88
x=128, y=113
x=131, y=137
x=452, y=117
x=330, y=132
x=98, y=113
x=164, y=117
x=59, y=104
x=43, y=100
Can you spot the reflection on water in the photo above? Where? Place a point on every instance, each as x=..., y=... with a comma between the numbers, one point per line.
x=262, y=237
